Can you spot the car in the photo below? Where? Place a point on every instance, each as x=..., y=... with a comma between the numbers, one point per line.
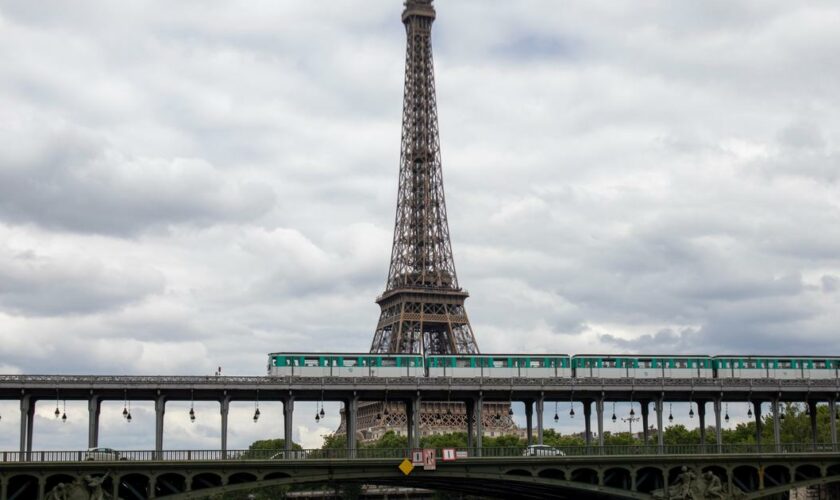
x=103, y=454
x=542, y=450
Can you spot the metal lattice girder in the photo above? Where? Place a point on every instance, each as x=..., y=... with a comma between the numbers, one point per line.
x=423, y=305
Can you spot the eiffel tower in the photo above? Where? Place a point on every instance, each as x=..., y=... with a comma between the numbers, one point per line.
x=422, y=307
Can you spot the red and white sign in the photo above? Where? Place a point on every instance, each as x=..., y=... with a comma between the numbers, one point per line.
x=448, y=454
x=417, y=457
x=429, y=460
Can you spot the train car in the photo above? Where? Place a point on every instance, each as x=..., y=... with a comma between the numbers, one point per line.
x=776, y=367
x=642, y=366
x=345, y=365
x=499, y=365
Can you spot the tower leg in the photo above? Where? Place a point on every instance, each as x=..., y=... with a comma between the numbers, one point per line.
x=701, y=417
x=540, y=408
x=757, y=414
x=812, y=412
x=26, y=410
x=645, y=413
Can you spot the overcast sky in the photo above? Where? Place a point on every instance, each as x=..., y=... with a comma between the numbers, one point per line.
x=195, y=184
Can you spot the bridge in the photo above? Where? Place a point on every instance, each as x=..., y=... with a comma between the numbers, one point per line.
x=631, y=472
x=592, y=393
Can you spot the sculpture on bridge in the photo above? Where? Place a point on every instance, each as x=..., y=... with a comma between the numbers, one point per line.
x=83, y=488
x=691, y=486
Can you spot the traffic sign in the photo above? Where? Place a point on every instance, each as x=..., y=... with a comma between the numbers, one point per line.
x=406, y=466
x=417, y=456
x=429, y=462
x=448, y=454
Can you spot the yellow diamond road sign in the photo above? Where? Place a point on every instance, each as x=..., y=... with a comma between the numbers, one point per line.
x=406, y=466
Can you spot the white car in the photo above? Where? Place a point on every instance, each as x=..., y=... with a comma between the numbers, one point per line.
x=542, y=450
x=103, y=454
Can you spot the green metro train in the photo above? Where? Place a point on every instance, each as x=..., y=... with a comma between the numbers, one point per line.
x=552, y=366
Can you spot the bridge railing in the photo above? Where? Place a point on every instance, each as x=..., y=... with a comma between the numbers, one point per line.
x=399, y=453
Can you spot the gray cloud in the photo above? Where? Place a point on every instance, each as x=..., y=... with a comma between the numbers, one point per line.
x=187, y=186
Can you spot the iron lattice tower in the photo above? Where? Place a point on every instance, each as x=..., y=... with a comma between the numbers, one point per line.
x=422, y=306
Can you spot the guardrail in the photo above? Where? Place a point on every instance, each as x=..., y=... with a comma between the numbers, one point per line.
x=398, y=453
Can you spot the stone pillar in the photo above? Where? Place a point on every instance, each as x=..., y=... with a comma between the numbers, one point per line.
x=351, y=411
x=224, y=408
x=832, y=419
x=416, y=421
x=701, y=417
x=757, y=415
x=718, y=430
x=27, y=408
x=599, y=409
x=288, y=421
x=529, y=421
x=160, y=409
x=812, y=412
x=540, y=408
x=94, y=408
x=4, y=492
x=660, y=428
x=777, y=432
x=42, y=485
x=479, y=425
x=470, y=413
x=587, y=422
x=645, y=411
x=115, y=486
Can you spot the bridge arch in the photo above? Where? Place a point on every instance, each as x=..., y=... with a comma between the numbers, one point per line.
x=552, y=474
x=170, y=482
x=745, y=477
x=585, y=475
x=776, y=475
x=807, y=471
x=618, y=477
x=205, y=480
x=23, y=485
x=649, y=479
x=133, y=485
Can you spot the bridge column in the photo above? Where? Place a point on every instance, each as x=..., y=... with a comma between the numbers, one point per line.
x=812, y=412
x=351, y=411
x=288, y=421
x=470, y=413
x=587, y=422
x=645, y=412
x=757, y=414
x=479, y=425
x=160, y=409
x=415, y=421
x=540, y=411
x=42, y=487
x=529, y=420
x=224, y=408
x=599, y=409
x=832, y=419
x=94, y=408
x=701, y=418
x=660, y=429
x=27, y=413
x=777, y=433
x=718, y=431
x=115, y=486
